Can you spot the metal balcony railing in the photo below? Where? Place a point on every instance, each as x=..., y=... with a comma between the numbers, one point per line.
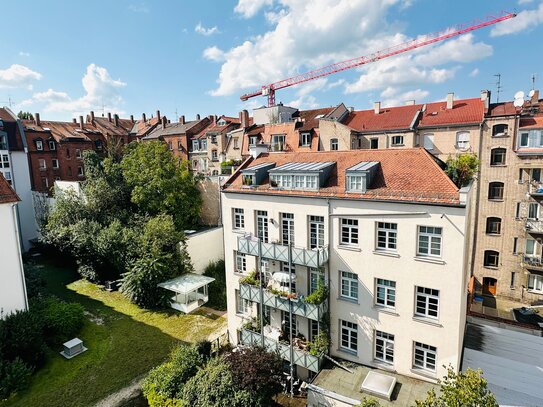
x=533, y=262
x=301, y=358
x=299, y=307
x=534, y=226
x=275, y=251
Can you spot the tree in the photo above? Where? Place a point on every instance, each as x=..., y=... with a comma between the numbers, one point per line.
x=25, y=115
x=462, y=169
x=467, y=388
x=369, y=402
x=160, y=183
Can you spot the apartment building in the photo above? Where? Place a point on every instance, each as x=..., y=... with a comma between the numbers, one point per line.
x=12, y=283
x=386, y=232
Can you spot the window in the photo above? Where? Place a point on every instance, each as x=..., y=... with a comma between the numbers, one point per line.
x=304, y=181
x=214, y=155
x=397, y=140
x=499, y=130
x=462, y=140
x=179, y=145
x=429, y=241
x=315, y=275
x=493, y=226
x=349, y=285
x=531, y=139
x=80, y=171
x=384, y=347
x=278, y=142
x=535, y=174
x=203, y=144
x=213, y=139
x=497, y=156
x=495, y=190
x=491, y=258
x=170, y=145
x=313, y=329
x=236, y=143
x=512, y=285
x=305, y=139
x=428, y=141
x=530, y=247
x=287, y=228
x=3, y=142
x=44, y=182
x=535, y=282
x=243, y=306
x=68, y=153
x=374, y=143
x=316, y=232
x=4, y=161
x=77, y=153
x=524, y=139
x=239, y=219
x=385, y=293
x=52, y=145
x=195, y=145
x=533, y=210
x=334, y=144
x=349, y=232
x=98, y=144
x=355, y=183
x=262, y=225
x=285, y=323
x=253, y=140
x=386, y=236
x=517, y=210
x=424, y=356
x=349, y=336
x=69, y=171
x=39, y=145
x=241, y=263
x=55, y=163
x=515, y=245
x=427, y=302
x=42, y=164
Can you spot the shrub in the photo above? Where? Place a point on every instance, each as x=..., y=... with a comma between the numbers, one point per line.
x=250, y=279
x=319, y=295
x=204, y=349
x=14, y=377
x=61, y=320
x=217, y=289
x=462, y=169
x=35, y=284
x=320, y=344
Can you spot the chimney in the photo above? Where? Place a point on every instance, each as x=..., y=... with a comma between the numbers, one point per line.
x=257, y=149
x=81, y=123
x=376, y=107
x=535, y=96
x=92, y=117
x=214, y=119
x=158, y=114
x=450, y=100
x=182, y=119
x=37, y=119
x=351, y=109
x=198, y=117
x=164, y=121
x=244, y=119
x=485, y=98
x=143, y=117
x=410, y=102
x=74, y=120
x=132, y=118
x=116, y=119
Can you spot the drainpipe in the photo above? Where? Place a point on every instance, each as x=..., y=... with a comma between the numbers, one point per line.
x=16, y=224
x=290, y=319
x=477, y=201
x=259, y=271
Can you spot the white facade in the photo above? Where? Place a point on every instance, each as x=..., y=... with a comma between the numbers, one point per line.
x=12, y=284
x=357, y=321
x=205, y=247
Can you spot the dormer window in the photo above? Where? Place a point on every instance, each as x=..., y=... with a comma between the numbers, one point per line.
x=39, y=145
x=531, y=139
x=52, y=145
x=254, y=176
x=3, y=142
x=360, y=176
x=301, y=176
x=221, y=122
x=249, y=180
x=278, y=142
x=253, y=140
x=305, y=139
x=355, y=183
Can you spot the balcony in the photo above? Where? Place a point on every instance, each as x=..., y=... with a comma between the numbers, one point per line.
x=301, y=358
x=275, y=251
x=534, y=226
x=532, y=262
x=536, y=189
x=299, y=307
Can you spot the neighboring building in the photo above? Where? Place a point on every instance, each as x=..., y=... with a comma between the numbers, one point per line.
x=115, y=130
x=386, y=232
x=14, y=167
x=12, y=282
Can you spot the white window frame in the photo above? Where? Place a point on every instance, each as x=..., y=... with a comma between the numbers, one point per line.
x=55, y=163
x=78, y=153
x=214, y=155
x=243, y=306
x=4, y=161
x=241, y=263
x=348, y=285
x=195, y=145
x=348, y=336
x=316, y=231
x=423, y=355
x=262, y=226
x=388, y=290
x=350, y=227
x=383, y=347
x=535, y=283
x=428, y=141
x=434, y=241
x=39, y=145
x=397, y=140
x=52, y=145
x=462, y=140
x=305, y=139
x=426, y=302
x=334, y=144
x=531, y=247
x=315, y=275
x=238, y=215
x=355, y=183
x=532, y=212
x=386, y=238
x=42, y=164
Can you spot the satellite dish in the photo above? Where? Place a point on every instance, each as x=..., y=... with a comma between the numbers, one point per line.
x=532, y=92
x=518, y=102
x=519, y=95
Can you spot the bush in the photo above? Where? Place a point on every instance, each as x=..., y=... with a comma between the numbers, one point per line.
x=462, y=169
x=35, y=284
x=217, y=289
x=14, y=377
x=204, y=349
x=61, y=320
x=250, y=279
x=319, y=295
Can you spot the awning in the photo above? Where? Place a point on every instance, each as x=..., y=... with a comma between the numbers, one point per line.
x=186, y=283
x=282, y=277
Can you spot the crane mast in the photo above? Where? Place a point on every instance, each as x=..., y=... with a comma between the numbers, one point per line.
x=270, y=89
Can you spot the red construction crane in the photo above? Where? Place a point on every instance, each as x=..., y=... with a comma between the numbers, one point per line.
x=269, y=90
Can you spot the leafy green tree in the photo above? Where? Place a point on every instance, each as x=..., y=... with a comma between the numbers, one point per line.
x=462, y=169
x=217, y=288
x=369, y=402
x=467, y=388
x=25, y=115
x=160, y=183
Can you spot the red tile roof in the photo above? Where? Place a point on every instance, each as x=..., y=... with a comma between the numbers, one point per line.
x=63, y=130
x=389, y=118
x=7, y=194
x=309, y=118
x=502, y=109
x=535, y=122
x=464, y=111
x=407, y=175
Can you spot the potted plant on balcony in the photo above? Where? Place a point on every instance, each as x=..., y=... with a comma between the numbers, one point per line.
x=319, y=295
x=250, y=279
x=320, y=345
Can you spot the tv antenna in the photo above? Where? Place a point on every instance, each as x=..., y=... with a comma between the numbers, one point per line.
x=10, y=102
x=499, y=86
x=533, y=81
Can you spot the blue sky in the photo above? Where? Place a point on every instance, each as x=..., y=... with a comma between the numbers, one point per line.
x=63, y=58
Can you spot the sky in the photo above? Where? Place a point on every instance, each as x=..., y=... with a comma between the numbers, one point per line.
x=188, y=57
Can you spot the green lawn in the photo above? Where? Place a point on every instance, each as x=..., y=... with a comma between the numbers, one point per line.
x=124, y=342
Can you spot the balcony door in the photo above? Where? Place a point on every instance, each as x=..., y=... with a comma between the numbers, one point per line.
x=262, y=226
x=316, y=232
x=287, y=228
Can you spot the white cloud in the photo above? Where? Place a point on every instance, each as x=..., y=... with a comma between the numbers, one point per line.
x=249, y=8
x=461, y=49
x=524, y=1
x=474, y=73
x=524, y=20
x=273, y=17
x=139, y=8
x=24, y=54
x=100, y=91
x=214, y=54
x=200, y=29
x=394, y=97
x=18, y=76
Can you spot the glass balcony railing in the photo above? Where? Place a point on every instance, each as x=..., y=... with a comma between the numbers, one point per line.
x=301, y=358
x=276, y=251
x=299, y=307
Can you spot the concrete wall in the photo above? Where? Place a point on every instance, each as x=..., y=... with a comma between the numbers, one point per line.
x=205, y=247
x=12, y=285
x=210, y=191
